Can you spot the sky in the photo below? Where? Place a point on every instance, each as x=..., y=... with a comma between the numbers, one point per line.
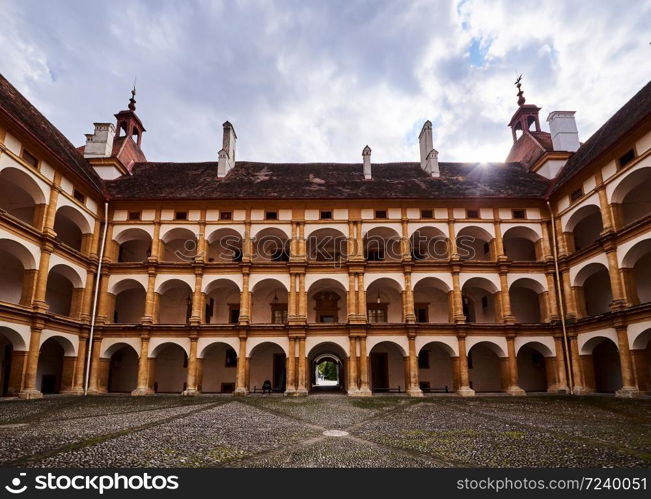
x=310, y=81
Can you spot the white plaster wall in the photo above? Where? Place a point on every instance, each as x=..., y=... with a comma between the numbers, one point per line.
x=485, y=374
x=582, y=339
x=109, y=345
x=204, y=343
x=398, y=277
x=450, y=341
x=312, y=342
x=69, y=342
x=215, y=371
x=532, y=374
x=261, y=364
x=634, y=331
x=441, y=371
x=18, y=334
x=396, y=365
x=123, y=371
x=170, y=374
x=498, y=342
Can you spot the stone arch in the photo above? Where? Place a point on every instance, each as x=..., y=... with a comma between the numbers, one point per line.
x=267, y=362
x=436, y=366
x=56, y=353
x=122, y=360
x=384, y=301
x=179, y=244
x=429, y=243
x=327, y=301
x=128, y=296
x=170, y=365
x=382, y=244
x=217, y=366
x=601, y=364
x=174, y=302
x=224, y=245
x=334, y=353
x=641, y=340
x=528, y=303
x=592, y=284
x=485, y=365
x=17, y=274
x=432, y=300
x=521, y=244
x=64, y=290
x=312, y=343
x=584, y=227
x=327, y=245
x=222, y=302
x=133, y=245
x=401, y=343
x=387, y=362
x=271, y=244
x=70, y=226
x=636, y=267
x=18, y=341
x=206, y=343
x=631, y=199
x=478, y=300
x=20, y=195
x=475, y=243
x=269, y=301
x=536, y=366
x=111, y=345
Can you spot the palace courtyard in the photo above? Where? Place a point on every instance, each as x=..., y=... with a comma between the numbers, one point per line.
x=276, y=431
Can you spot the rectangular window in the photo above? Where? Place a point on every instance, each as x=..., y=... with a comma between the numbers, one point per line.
x=79, y=196
x=180, y=215
x=377, y=312
x=233, y=314
x=279, y=313
x=576, y=194
x=271, y=215
x=472, y=213
x=626, y=158
x=29, y=158
x=134, y=215
x=423, y=359
x=426, y=214
x=422, y=312
x=225, y=215
x=380, y=213
x=325, y=215
x=520, y=214
x=231, y=358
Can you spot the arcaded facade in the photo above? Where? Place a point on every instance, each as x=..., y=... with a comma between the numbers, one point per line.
x=123, y=275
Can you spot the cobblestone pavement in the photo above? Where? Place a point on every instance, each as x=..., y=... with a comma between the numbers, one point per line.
x=276, y=431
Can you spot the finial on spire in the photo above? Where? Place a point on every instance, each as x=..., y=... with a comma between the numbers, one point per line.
x=132, y=100
x=518, y=83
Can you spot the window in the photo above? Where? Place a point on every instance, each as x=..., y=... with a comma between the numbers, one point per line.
x=280, y=255
x=279, y=313
x=326, y=215
x=472, y=213
x=29, y=158
x=576, y=194
x=233, y=313
x=422, y=312
x=180, y=215
x=426, y=214
x=626, y=158
x=519, y=214
x=79, y=196
x=380, y=213
x=134, y=215
x=484, y=302
x=327, y=306
x=377, y=312
x=271, y=215
x=375, y=255
x=231, y=358
x=210, y=307
x=225, y=215
x=423, y=359
x=487, y=248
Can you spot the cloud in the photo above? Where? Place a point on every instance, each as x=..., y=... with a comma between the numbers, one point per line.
x=316, y=81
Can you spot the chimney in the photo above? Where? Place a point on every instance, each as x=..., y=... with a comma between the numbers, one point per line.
x=429, y=157
x=227, y=153
x=562, y=126
x=100, y=143
x=366, y=156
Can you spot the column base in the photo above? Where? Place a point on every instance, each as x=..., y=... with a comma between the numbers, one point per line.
x=415, y=392
x=73, y=391
x=515, y=391
x=560, y=389
x=581, y=390
x=300, y=392
x=290, y=392
x=30, y=394
x=465, y=391
x=140, y=392
x=192, y=392
x=95, y=391
x=364, y=392
x=240, y=392
x=627, y=392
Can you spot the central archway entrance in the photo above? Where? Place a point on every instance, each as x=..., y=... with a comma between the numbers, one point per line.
x=327, y=369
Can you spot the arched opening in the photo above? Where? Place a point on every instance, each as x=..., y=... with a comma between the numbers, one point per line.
x=17, y=272
x=170, y=368
x=436, y=368
x=218, y=367
x=222, y=302
x=478, y=299
x=267, y=368
x=179, y=245
x=429, y=243
x=174, y=302
x=485, y=367
x=224, y=246
x=632, y=197
x=388, y=368
x=475, y=243
x=327, y=245
x=328, y=364
x=521, y=244
x=269, y=302
x=641, y=353
x=134, y=245
x=636, y=268
x=55, y=361
x=382, y=244
x=130, y=297
x=123, y=368
x=592, y=285
x=70, y=227
x=585, y=227
x=327, y=302
x=12, y=346
x=432, y=301
x=21, y=197
x=536, y=366
x=384, y=301
x=601, y=365
x=271, y=245
x=64, y=291
x=527, y=301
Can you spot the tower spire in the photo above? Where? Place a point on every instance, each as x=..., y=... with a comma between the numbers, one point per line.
x=132, y=100
x=518, y=83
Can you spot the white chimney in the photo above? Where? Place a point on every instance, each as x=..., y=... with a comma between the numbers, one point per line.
x=227, y=153
x=366, y=156
x=429, y=157
x=562, y=125
x=100, y=143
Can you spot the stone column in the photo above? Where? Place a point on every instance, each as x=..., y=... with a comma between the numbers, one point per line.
x=568, y=292
x=143, y=387
x=414, y=386
x=359, y=238
x=291, y=302
x=410, y=313
x=201, y=240
x=615, y=277
x=547, y=253
x=191, y=379
x=29, y=390
x=150, y=297
x=301, y=240
x=640, y=369
x=301, y=389
x=512, y=361
x=290, y=385
x=457, y=303
x=561, y=238
x=454, y=252
x=364, y=387
x=507, y=315
x=577, y=368
x=405, y=246
x=154, y=255
x=302, y=297
x=51, y=210
x=94, y=377
x=241, y=387
x=499, y=243
x=629, y=387
x=245, y=300
x=464, y=385
x=561, y=378
x=29, y=282
x=104, y=299
x=352, y=303
x=352, y=367
x=41, y=279
x=80, y=366
x=606, y=215
x=18, y=365
x=87, y=295
x=195, y=318
x=361, y=298
x=552, y=303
